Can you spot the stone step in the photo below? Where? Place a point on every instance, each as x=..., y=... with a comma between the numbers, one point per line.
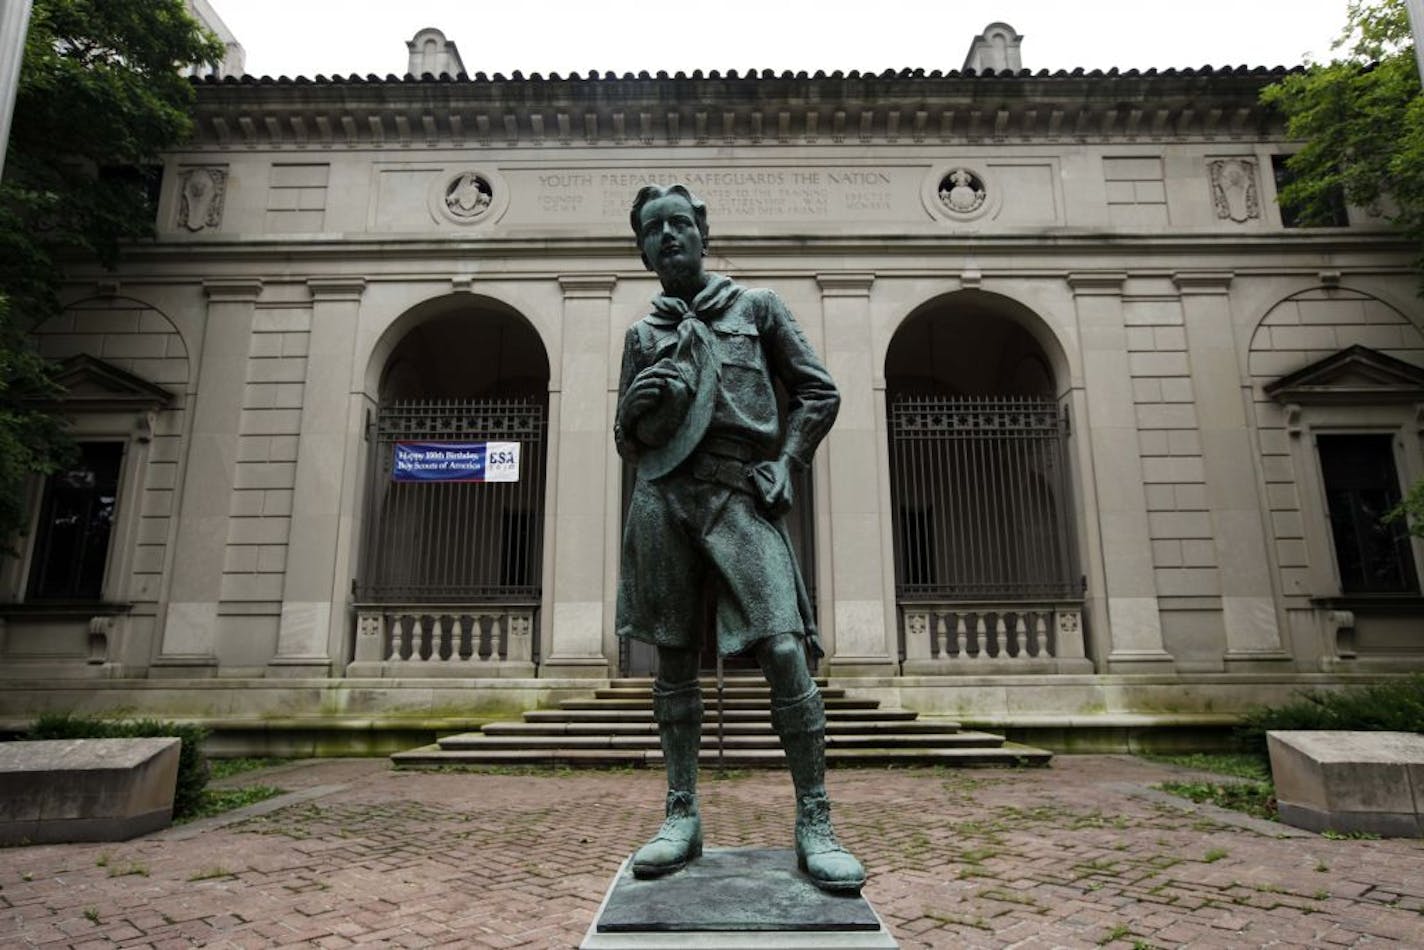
x=710, y=703
x=645, y=714
x=709, y=693
x=615, y=727
x=750, y=680
x=1007, y=754
x=749, y=727
x=480, y=740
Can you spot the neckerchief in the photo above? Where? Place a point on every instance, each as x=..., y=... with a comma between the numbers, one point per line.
x=719, y=294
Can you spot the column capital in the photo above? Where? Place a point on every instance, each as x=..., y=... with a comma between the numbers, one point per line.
x=233, y=289
x=336, y=288
x=1202, y=282
x=845, y=285
x=588, y=286
x=1099, y=283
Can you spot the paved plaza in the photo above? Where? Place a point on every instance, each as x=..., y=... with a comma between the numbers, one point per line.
x=1080, y=854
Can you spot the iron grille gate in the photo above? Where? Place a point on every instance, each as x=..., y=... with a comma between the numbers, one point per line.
x=475, y=543
x=979, y=489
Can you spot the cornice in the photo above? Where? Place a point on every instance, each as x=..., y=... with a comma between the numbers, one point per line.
x=310, y=254
x=795, y=109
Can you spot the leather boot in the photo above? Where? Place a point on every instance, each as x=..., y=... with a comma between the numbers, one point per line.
x=801, y=724
x=678, y=711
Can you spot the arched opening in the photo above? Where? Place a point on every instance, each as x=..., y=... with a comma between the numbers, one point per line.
x=452, y=552
x=984, y=560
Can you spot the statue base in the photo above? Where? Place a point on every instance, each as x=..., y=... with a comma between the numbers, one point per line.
x=735, y=898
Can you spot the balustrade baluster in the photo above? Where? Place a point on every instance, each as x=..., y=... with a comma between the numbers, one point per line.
x=486, y=622
x=408, y=636
x=961, y=636
x=447, y=647
x=427, y=637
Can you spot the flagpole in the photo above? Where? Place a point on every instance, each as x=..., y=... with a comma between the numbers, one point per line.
x=14, y=24
x=1416, y=23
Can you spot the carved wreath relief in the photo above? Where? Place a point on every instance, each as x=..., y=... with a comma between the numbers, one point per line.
x=962, y=192
x=200, y=198
x=468, y=196
x=1233, y=189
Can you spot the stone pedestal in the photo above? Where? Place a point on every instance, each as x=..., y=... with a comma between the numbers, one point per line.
x=1370, y=782
x=733, y=898
x=86, y=789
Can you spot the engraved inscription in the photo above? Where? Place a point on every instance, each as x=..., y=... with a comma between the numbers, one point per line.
x=758, y=193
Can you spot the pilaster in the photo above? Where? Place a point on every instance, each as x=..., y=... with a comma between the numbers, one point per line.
x=1239, y=530
x=578, y=515
x=314, y=595
x=857, y=606
x=190, y=628
x=1134, y=623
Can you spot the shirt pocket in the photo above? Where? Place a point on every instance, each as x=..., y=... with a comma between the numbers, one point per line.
x=744, y=376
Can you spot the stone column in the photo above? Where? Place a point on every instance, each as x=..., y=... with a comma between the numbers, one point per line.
x=190, y=627
x=1134, y=624
x=1233, y=489
x=313, y=595
x=575, y=526
x=861, y=606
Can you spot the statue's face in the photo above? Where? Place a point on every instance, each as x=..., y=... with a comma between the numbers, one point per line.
x=671, y=243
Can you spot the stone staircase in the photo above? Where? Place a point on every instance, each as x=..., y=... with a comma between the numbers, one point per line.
x=615, y=728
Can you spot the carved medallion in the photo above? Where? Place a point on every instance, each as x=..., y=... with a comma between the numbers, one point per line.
x=468, y=196
x=200, y=198
x=1233, y=189
x=962, y=192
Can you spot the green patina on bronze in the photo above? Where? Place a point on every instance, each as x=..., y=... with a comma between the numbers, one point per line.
x=698, y=418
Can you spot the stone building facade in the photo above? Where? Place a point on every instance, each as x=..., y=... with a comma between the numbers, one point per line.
x=1114, y=438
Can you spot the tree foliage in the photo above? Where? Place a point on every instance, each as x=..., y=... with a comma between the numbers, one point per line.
x=101, y=94
x=1361, y=118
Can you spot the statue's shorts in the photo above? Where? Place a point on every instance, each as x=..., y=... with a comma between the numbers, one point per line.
x=688, y=536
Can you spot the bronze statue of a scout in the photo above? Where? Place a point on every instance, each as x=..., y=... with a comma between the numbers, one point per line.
x=697, y=415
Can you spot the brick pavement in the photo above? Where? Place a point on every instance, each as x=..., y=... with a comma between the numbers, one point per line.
x=1075, y=855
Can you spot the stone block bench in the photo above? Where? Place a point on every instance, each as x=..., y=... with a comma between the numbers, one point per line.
x=57, y=790
x=1371, y=782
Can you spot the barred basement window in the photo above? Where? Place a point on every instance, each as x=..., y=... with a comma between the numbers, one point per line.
x=1361, y=485
x=76, y=521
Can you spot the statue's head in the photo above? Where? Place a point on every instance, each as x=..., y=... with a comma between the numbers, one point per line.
x=671, y=227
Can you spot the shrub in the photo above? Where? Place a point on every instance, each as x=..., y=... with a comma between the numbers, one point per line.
x=192, y=763
x=1396, y=706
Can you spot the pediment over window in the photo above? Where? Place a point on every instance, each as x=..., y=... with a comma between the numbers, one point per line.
x=90, y=382
x=1356, y=374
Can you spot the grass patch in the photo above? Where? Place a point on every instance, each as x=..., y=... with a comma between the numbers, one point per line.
x=211, y=874
x=125, y=870
x=216, y=801
x=1116, y=933
x=219, y=769
x=1245, y=765
x=1257, y=799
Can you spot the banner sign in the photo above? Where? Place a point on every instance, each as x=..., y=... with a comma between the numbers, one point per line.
x=456, y=462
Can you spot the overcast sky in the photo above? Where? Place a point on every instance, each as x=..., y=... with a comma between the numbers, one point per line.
x=310, y=37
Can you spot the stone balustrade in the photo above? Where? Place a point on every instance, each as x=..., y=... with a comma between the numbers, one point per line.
x=444, y=640
x=993, y=637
